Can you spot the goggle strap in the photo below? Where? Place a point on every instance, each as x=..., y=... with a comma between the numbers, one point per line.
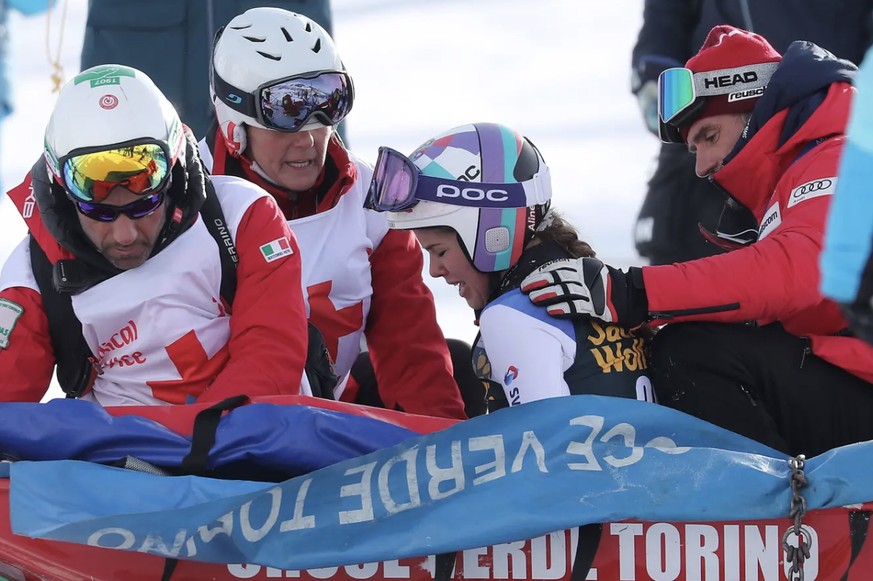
x=763, y=72
x=237, y=99
x=538, y=189
x=668, y=133
x=517, y=195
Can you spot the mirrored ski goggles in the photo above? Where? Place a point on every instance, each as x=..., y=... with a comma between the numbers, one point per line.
x=681, y=91
x=135, y=210
x=398, y=184
x=142, y=168
x=290, y=103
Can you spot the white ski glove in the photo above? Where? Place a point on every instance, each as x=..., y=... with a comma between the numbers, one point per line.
x=575, y=287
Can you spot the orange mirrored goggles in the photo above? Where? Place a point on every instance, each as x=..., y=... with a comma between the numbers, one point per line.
x=142, y=168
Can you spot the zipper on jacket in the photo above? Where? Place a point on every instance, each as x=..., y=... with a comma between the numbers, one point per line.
x=697, y=311
x=807, y=350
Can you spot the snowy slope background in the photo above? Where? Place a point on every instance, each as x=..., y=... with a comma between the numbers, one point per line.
x=556, y=70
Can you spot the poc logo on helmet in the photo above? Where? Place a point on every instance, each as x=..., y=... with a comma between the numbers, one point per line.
x=471, y=194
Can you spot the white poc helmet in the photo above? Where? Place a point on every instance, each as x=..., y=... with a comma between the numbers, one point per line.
x=263, y=45
x=110, y=105
x=492, y=237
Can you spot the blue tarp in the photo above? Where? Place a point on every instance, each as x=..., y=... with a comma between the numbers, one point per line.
x=515, y=474
x=252, y=441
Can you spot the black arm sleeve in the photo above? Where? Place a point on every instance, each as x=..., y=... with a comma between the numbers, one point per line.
x=665, y=38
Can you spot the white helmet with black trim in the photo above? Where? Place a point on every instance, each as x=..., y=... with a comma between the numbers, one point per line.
x=261, y=46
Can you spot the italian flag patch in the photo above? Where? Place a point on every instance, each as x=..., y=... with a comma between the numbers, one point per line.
x=276, y=249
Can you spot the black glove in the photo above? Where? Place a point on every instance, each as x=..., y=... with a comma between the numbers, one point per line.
x=577, y=287
x=860, y=318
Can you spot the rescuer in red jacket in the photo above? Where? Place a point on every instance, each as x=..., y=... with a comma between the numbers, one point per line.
x=750, y=344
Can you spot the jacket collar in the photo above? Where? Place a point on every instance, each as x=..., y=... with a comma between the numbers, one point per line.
x=808, y=98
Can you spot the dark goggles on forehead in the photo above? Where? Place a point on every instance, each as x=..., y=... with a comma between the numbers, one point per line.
x=89, y=176
x=398, y=184
x=290, y=103
x=682, y=93
x=135, y=210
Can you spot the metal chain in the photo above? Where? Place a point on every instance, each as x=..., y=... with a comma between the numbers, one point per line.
x=797, y=555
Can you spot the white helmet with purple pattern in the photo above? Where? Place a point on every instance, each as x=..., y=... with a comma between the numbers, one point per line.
x=496, y=219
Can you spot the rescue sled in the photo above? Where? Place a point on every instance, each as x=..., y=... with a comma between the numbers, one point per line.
x=376, y=494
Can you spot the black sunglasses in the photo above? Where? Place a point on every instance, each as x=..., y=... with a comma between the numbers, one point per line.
x=134, y=210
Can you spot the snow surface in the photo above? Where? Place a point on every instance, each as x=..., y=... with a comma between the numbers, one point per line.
x=556, y=70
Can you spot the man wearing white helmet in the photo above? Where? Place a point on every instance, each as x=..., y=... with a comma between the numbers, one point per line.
x=122, y=281
x=279, y=90
x=478, y=198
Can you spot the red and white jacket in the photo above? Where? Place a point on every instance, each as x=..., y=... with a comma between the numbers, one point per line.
x=361, y=279
x=159, y=332
x=776, y=278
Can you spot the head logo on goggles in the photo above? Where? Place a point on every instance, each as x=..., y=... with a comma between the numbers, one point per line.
x=681, y=92
x=289, y=104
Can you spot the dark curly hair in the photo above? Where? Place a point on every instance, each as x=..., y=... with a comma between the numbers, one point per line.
x=566, y=236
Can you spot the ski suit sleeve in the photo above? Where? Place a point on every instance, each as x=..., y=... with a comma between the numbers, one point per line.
x=27, y=361
x=774, y=279
x=409, y=353
x=268, y=331
x=526, y=354
x=849, y=227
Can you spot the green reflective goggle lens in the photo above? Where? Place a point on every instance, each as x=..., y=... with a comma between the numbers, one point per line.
x=675, y=93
